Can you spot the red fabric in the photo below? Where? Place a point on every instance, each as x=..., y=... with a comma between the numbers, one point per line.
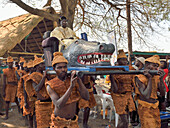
x=103, y=91
x=166, y=74
x=108, y=93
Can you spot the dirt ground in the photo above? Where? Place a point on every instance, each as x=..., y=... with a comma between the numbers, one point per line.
x=16, y=121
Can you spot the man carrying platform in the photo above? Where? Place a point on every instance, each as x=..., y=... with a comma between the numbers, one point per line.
x=121, y=92
x=65, y=92
x=146, y=89
x=43, y=104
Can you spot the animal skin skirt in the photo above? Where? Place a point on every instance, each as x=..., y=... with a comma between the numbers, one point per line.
x=122, y=102
x=149, y=114
x=88, y=103
x=58, y=122
x=43, y=112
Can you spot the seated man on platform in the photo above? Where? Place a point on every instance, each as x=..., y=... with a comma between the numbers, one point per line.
x=63, y=33
x=65, y=92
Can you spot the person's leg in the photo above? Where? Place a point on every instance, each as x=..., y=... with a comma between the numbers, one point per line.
x=86, y=117
x=77, y=109
x=26, y=120
x=123, y=122
x=35, y=122
x=16, y=101
x=6, y=107
x=1, y=105
x=30, y=121
x=133, y=116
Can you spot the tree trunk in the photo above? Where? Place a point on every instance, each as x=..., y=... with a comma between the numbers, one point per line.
x=129, y=33
x=68, y=10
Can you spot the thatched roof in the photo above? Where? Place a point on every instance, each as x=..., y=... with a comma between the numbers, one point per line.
x=13, y=32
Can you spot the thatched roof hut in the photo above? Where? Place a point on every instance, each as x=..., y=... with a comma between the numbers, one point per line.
x=22, y=35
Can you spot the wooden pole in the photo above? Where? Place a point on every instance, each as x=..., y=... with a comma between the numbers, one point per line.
x=26, y=53
x=129, y=32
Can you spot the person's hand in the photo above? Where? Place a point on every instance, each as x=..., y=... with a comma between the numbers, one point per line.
x=161, y=73
x=147, y=74
x=45, y=72
x=73, y=78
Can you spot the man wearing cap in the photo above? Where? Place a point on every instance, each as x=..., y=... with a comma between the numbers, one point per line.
x=21, y=70
x=10, y=85
x=146, y=90
x=27, y=103
x=121, y=91
x=65, y=92
x=139, y=63
x=43, y=104
x=64, y=34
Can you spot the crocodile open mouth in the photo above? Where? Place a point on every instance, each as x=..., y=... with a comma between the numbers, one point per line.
x=93, y=58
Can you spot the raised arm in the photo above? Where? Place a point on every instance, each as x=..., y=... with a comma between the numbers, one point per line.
x=59, y=102
x=161, y=85
x=39, y=86
x=145, y=91
x=82, y=89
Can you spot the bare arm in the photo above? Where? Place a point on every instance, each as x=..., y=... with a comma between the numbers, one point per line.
x=39, y=86
x=59, y=102
x=25, y=95
x=114, y=87
x=18, y=77
x=82, y=89
x=145, y=91
x=161, y=85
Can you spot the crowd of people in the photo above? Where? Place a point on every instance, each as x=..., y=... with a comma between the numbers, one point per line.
x=55, y=100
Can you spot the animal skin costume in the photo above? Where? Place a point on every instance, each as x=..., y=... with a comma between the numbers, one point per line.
x=20, y=73
x=60, y=87
x=31, y=104
x=10, y=90
x=123, y=98
x=36, y=77
x=43, y=109
x=58, y=122
x=149, y=113
x=43, y=112
x=91, y=102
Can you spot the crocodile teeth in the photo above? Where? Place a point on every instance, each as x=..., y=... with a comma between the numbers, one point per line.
x=94, y=58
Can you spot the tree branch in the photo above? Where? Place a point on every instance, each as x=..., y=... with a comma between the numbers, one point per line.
x=48, y=3
x=42, y=13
